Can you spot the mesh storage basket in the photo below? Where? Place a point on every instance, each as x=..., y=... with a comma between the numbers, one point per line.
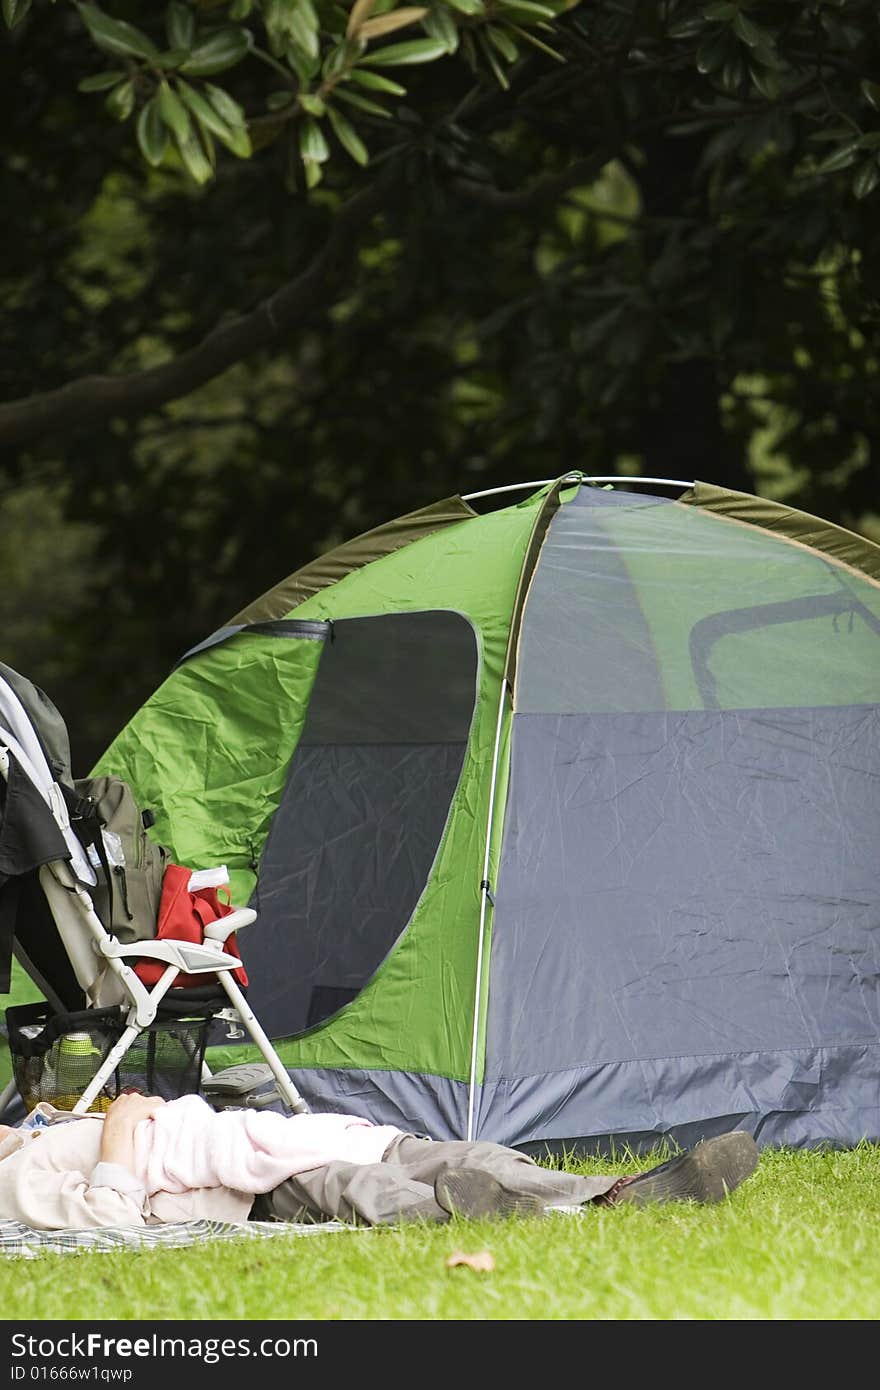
x=55, y=1056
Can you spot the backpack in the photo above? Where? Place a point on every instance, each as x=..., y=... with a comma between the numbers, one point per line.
x=130, y=866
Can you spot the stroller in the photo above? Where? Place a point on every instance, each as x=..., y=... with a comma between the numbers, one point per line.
x=119, y=1014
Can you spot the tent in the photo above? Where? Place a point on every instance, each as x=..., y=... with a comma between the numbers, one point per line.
x=561, y=818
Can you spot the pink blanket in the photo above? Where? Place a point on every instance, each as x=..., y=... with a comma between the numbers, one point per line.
x=188, y=1145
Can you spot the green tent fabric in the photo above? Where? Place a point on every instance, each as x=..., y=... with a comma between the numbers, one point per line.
x=560, y=820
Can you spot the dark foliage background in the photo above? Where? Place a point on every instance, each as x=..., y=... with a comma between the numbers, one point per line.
x=658, y=257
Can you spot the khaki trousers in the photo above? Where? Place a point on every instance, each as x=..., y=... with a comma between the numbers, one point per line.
x=401, y=1187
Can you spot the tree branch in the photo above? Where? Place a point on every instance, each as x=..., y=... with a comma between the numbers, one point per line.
x=94, y=397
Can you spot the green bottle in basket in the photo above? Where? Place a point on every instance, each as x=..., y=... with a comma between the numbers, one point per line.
x=78, y=1060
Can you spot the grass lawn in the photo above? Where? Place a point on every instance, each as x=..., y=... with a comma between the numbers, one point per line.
x=799, y=1240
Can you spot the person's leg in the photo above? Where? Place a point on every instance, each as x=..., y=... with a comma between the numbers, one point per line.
x=428, y=1159
x=485, y=1184
x=375, y=1194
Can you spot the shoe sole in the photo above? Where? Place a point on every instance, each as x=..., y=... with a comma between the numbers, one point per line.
x=480, y=1197
x=707, y=1173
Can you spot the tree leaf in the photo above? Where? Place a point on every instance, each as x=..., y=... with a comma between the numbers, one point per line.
x=750, y=32
x=503, y=42
x=840, y=159
x=120, y=101
x=101, y=81
x=240, y=9
x=715, y=51
x=360, y=10
x=387, y=23
x=348, y=137
x=373, y=81
x=400, y=54
x=217, y=52
x=866, y=178
x=468, y=7
x=152, y=133
x=116, y=36
x=765, y=80
x=180, y=25
x=234, y=138
x=871, y=93
x=225, y=106
x=440, y=25
x=173, y=111
x=14, y=11
x=315, y=105
x=527, y=10
x=275, y=101
x=193, y=156
x=313, y=142
x=353, y=99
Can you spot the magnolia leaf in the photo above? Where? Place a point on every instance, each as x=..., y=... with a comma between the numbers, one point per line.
x=314, y=172
x=116, y=36
x=225, y=106
x=348, y=137
x=120, y=102
x=302, y=29
x=765, y=80
x=315, y=105
x=14, y=11
x=217, y=52
x=387, y=23
x=276, y=100
x=235, y=138
x=871, y=93
x=180, y=25
x=750, y=33
x=866, y=178
x=305, y=65
x=173, y=111
x=101, y=81
x=537, y=43
x=193, y=156
x=400, y=54
x=362, y=104
x=360, y=10
x=313, y=142
x=715, y=51
x=468, y=7
x=152, y=133
x=376, y=83
x=503, y=42
x=441, y=26
x=527, y=9
x=840, y=159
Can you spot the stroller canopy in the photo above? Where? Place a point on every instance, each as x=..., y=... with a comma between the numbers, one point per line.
x=561, y=820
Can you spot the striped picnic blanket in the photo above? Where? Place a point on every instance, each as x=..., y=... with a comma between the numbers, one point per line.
x=19, y=1240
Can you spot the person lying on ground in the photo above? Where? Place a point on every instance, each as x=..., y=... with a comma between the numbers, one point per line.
x=148, y=1162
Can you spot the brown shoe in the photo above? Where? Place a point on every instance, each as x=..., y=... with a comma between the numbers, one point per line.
x=707, y=1173
x=480, y=1196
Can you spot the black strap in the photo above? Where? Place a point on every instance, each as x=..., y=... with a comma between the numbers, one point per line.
x=88, y=827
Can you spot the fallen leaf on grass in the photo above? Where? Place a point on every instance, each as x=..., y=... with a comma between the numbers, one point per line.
x=482, y=1260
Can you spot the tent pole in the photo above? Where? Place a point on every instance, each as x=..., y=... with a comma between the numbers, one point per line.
x=484, y=898
x=573, y=478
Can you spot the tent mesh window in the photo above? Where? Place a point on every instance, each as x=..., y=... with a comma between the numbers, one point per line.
x=367, y=798
x=55, y=1056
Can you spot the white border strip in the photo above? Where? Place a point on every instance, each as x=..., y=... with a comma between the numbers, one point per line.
x=483, y=900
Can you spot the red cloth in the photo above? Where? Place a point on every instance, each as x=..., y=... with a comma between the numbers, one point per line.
x=183, y=916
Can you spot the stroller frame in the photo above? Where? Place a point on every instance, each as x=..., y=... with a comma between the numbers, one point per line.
x=95, y=953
